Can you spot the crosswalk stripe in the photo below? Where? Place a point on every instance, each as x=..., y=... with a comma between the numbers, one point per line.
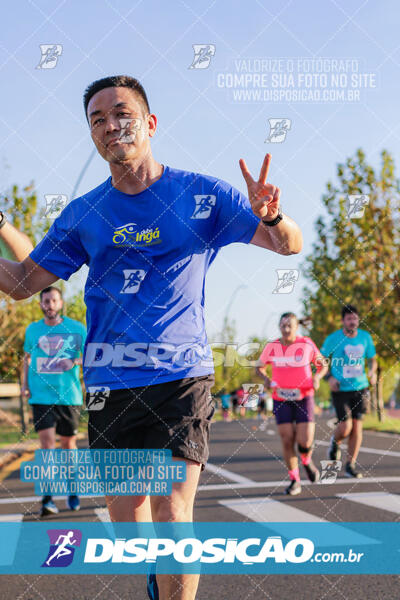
x=267, y=510
x=365, y=449
x=284, y=483
x=228, y=475
x=382, y=500
x=15, y=518
x=103, y=514
x=233, y=486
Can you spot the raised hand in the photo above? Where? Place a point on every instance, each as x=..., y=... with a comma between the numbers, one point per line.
x=264, y=197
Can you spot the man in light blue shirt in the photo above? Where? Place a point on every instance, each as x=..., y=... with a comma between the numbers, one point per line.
x=347, y=349
x=53, y=347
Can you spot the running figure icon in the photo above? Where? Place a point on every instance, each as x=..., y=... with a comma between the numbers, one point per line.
x=62, y=549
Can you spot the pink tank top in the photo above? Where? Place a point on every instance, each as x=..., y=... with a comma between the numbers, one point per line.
x=291, y=368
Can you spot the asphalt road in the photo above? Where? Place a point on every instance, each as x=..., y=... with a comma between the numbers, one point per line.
x=245, y=481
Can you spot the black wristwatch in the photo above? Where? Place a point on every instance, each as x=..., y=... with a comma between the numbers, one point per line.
x=275, y=221
x=3, y=219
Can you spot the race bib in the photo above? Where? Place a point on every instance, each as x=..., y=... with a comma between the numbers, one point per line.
x=350, y=371
x=289, y=394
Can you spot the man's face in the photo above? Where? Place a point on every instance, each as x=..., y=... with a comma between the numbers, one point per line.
x=288, y=327
x=51, y=304
x=120, y=128
x=350, y=322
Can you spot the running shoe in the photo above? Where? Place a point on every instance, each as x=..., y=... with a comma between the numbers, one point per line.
x=73, y=503
x=152, y=587
x=351, y=472
x=312, y=472
x=334, y=451
x=294, y=488
x=48, y=507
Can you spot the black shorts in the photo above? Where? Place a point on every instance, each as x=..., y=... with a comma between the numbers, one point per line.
x=65, y=418
x=354, y=403
x=175, y=415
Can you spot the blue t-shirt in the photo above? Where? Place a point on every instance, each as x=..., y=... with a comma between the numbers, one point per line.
x=348, y=356
x=50, y=380
x=148, y=255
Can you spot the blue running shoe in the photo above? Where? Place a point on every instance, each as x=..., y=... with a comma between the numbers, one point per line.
x=48, y=507
x=73, y=503
x=152, y=587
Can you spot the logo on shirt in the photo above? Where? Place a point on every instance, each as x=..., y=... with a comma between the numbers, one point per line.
x=60, y=350
x=204, y=204
x=129, y=235
x=354, y=351
x=133, y=279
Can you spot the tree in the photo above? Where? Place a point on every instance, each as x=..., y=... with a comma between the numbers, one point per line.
x=356, y=260
x=23, y=212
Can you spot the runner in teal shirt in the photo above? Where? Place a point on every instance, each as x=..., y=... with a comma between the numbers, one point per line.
x=52, y=379
x=53, y=347
x=348, y=356
x=347, y=349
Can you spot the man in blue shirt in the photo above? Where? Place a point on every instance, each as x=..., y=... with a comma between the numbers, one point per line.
x=348, y=348
x=148, y=235
x=50, y=379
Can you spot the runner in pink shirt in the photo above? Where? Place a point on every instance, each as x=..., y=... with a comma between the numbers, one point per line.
x=292, y=384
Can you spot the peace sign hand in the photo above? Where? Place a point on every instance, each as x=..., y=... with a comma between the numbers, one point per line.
x=264, y=197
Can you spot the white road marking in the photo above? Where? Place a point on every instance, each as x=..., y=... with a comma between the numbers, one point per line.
x=365, y=449
x=103, y=514
x=382, y=500
x=235, y=486
x=267, y=510
x=283, y=483
x=24, y=499
x=16, y=518
x=229, y=475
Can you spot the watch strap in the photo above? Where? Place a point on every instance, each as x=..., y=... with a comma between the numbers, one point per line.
x=275, y=221
x=3, y=219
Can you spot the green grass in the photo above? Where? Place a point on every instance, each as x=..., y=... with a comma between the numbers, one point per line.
x=389, y=424
x=11, y=435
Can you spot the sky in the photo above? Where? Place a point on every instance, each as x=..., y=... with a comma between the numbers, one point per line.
x=348, y=50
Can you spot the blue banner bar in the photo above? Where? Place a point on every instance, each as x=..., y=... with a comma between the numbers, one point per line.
x=218, y=548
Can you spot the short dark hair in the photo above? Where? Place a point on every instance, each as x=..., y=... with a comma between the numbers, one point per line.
x=349, y=309
x=115, y=81
x=50, y=289
x=288, y=314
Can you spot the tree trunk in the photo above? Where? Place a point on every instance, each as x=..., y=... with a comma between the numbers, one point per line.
x=23, y=412
x=372, y=402
x=379, y=403
x=23, y=415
